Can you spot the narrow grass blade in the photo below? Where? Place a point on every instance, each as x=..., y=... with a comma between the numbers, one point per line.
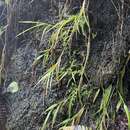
x=46, y=120
x=55, y=115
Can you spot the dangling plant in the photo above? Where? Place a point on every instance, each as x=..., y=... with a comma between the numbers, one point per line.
x=61, y=37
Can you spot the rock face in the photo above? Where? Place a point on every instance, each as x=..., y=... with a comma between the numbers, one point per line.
x=108, y=53
x=3, y=113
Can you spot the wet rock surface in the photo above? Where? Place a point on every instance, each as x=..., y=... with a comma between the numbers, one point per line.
x=28, y=104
